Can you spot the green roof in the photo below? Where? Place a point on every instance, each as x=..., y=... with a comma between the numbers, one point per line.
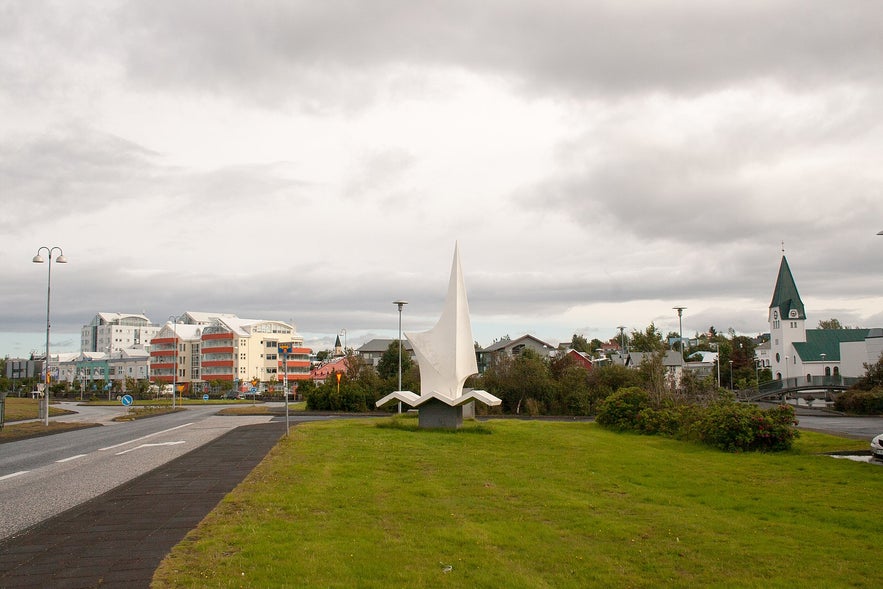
x=785, y=295
x=827, y=341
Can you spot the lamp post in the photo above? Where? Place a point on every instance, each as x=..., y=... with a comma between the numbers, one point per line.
x=38, y=259
x=680, y=311
x=731, y=375
x=400, y=304
x=174, y=320
x=621, y=329
x=343, y=331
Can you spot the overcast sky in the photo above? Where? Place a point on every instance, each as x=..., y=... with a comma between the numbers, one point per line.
x=598, y=162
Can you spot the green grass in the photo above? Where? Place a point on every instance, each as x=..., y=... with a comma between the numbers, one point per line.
x=536, y=504
x=20, y=408
x=34, y=429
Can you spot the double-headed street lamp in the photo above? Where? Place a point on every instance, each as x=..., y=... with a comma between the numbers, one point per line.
x=174, y=320
x=400, y=304
x=38, y=259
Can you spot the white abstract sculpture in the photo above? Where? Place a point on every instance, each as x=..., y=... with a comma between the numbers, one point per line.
x=446, y=356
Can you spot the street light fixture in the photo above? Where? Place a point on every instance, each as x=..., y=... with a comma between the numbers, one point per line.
x=680, y=311
x=731, y=375
x=174, y=320
x=38, y=259
x=400, y=305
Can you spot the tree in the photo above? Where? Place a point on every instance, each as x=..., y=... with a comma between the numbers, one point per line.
x=323, y=355
x=580, y=344
x=873, y=377
x=650, y=340
x=389, y=362
x=832, y=323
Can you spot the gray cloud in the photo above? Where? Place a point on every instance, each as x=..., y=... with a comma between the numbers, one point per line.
x=575, y=47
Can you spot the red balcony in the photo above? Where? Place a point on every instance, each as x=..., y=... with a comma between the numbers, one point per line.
x=216, y=363
x=223, y=350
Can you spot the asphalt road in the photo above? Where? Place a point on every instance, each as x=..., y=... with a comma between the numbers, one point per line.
x=42, y=477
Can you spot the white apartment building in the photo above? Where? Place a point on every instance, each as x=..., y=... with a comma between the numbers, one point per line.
x=205, y=347
x=114, y=332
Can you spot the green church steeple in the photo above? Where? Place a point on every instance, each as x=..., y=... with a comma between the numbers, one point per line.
x=785, y=296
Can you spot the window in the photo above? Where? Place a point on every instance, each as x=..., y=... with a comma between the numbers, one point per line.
x=778, y=358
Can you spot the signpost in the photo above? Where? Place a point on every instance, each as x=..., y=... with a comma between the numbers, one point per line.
x=127, y=400
x=284, y=351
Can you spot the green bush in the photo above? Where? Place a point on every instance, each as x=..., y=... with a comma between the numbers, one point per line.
x=860, y=402
x=726, y=425
x=349, y=398
x=736, y=427
x=620, y=410
x=664, y=421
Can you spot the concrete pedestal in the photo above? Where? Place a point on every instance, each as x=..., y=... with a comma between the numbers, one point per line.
x=437, y=415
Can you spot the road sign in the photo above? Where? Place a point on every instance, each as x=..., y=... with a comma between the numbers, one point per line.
x=254, y=390
x=205, y=397
x=127, y=400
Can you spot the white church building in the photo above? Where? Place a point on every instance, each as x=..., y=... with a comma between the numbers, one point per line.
x=797, y=352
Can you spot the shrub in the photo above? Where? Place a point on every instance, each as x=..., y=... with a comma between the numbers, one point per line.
x=620, y=410
x=736, y=427
x=664, y=421
x=860, y=402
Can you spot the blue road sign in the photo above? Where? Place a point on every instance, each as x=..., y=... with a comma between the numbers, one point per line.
x=205, y=397
x=127, y=400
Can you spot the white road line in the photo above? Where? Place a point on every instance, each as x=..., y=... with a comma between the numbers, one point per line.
x=15, y=474
x=144, y=437
x=150, y=446
x=71, y=458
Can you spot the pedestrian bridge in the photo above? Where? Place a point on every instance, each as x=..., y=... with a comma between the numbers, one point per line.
x=798, y=386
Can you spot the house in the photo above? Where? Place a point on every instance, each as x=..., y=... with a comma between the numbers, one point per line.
x=512, y=347
x=582, y=359
x=320, y=373
x=796, y=351
x=672, y=362
x=88, y=367
x=373, y=350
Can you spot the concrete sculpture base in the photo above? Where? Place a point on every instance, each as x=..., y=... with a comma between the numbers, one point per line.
x=437, y=415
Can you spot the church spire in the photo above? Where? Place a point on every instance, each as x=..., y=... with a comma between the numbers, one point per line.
x=785, y=296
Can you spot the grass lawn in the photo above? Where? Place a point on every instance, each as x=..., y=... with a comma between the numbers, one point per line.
x=33, y=429
x=19, y=408
x=536, y=504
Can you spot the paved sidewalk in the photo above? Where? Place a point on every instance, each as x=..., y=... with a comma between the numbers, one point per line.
x=119, y=538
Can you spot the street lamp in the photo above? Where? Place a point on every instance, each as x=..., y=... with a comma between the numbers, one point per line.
x=38, y=259
x=400, y=304
x=731, y=375
x=680, y=311
x=343, y=331
x=174, y=320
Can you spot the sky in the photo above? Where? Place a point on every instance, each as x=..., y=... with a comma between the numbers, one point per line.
x=598, y=162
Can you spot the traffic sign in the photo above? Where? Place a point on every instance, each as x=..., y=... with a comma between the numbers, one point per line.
x=127, y=400
x=205, y=397
x=254, y=390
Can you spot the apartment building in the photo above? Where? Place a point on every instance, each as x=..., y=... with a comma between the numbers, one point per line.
x=204, y=347
x=114, y=332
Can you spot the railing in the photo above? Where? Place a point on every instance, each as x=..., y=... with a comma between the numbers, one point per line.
x=780, y=387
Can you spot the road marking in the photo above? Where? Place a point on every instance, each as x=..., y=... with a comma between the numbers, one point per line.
x=15, y=474
x=151, y=445
x=144, y=437
x=71, y=458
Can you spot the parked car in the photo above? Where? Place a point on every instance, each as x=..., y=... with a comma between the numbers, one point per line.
x=877, y=447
